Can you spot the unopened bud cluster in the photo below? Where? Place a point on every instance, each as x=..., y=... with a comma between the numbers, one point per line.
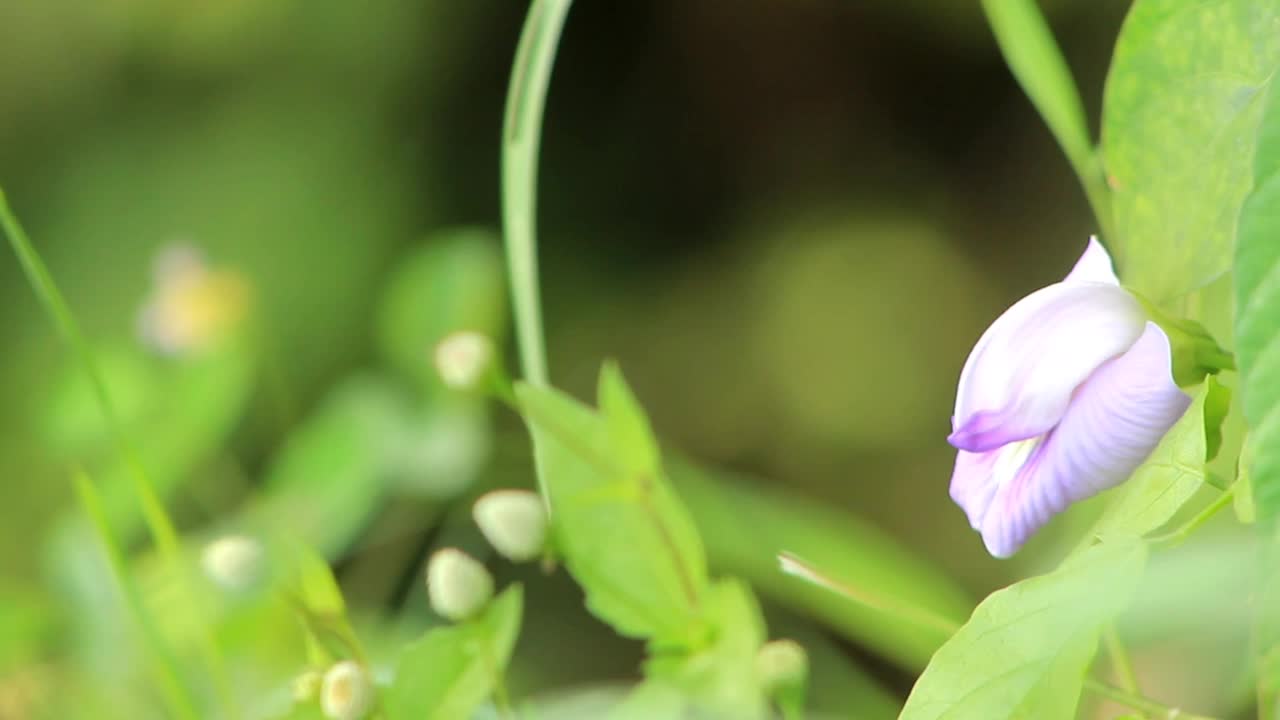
x=514, y=522
x=346, y=692
x=458, y=586
x=464, y=359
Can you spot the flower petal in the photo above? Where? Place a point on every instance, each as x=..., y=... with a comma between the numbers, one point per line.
x=1112, y=424
x=1019, y=378
x=1094, y=265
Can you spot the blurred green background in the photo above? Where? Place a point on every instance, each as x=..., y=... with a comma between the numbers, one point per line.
x=788, y=221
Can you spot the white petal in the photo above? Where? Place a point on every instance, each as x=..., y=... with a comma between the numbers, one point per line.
x=1019, y=378
x=1094, y=265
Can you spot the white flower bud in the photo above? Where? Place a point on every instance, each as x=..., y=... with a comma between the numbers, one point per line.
x=191, y=306
x=307, y=685
x=781, y=665
x=463, y=358
x=233, y=562
x=347, y=692
x=457, y=585
x=514, y=522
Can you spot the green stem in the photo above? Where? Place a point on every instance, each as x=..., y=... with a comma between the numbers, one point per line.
x=1120, y=659
x=521, y=136
x=162, y=530
x=1139, y=703
x=1176, y=537
x=176, y=694
x=159, y=524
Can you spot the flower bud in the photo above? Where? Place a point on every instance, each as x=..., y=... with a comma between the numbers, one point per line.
x=782, y=666
x=306, y=686
x=346, y=692
x=514, y=522
x=463, y=359
x=234, y=562
x=457, y=585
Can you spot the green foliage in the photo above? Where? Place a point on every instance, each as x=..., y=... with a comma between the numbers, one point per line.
x=1033, y=56
x=1171, y=476
x=1257, y=265
x=1025, y=650
x=746, y=525
x=1184, y=98
x=624, y=535
x=719, y=678
x=454, y=282
x=453, y=669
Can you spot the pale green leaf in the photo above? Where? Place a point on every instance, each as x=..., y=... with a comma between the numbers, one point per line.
x=453, y=669
x=1024, y=652
x=1180, y=121
x=720, y=679
x=1257, y=273
x=623, y=535
x=1171, y=476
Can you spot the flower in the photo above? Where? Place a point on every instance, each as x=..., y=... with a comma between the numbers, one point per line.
x=234, y=562
x=346, y=693
x=513, y=521
x=463, y=359
x=1063, y=397
x=458, y=586
x=191, y=307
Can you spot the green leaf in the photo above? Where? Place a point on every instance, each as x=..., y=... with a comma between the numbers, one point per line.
x=1257, y=273
x=453, y=669
x=1179, y=127
x=327, y=480
x=1028, y=46
x=1025, y=651
x=453, y=283
x=624, y=536
x=746, y=526
x=720, y=680
x=1171, y=476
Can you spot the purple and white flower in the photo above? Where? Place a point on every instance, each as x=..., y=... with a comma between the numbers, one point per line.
x=1064, y=396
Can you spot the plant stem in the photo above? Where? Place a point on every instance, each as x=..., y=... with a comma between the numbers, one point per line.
x=176, y=694
x=521, y=136
x=162, y=530
x=1176, y=537
x=1140, y=703
x=159, y=524
x=1120, y=659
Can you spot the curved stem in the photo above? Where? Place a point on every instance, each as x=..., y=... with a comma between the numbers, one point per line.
x=521, y=136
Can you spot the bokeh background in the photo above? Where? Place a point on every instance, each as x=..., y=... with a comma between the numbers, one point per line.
x=788, y=221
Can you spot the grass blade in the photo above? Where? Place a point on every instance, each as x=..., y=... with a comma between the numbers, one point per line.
x=176, y=694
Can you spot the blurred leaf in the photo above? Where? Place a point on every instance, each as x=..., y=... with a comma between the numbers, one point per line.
x=1243, y=498
x=1032, y=54
x=651, y=700
x=319, y=603
x=1171, y=476
x=1025, y=651
x=27, y=622
x=1257, y=265
x=1179, y=128
x=327, y=481
x=720, y=680
x=455, y=282
x=624, y=535
x=746, y=526
x=449, y=672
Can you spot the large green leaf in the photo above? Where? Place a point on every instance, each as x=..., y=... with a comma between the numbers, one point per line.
x=624, y=535
x=1179, y=126
x=1171, y=476
x=452, y=670
x=1025, y=651
x=1257, y=272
